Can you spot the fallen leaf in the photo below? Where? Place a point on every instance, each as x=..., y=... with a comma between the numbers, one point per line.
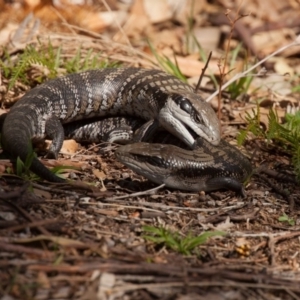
x=99, y=174
x=69, y=147
x=55, y=239
x=224, y=226
x=158, y=10
x=42, y=193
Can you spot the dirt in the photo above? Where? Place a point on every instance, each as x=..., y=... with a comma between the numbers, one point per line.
x=86, y=240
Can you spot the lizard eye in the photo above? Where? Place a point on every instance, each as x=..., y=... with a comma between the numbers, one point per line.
x=186, y=106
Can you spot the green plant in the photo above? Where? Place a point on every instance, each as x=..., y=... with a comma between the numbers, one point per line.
x=87, y=61
x=172, y=240
x=285, y=218
x=222, y=87
x=253, y=126
x=22, y=168
x=167, y=64
x=17, y=70
x=51, y=62
x=286, y=135
x=241, y=85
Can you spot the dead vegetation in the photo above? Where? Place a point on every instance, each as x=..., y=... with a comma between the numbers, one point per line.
x=87, y=241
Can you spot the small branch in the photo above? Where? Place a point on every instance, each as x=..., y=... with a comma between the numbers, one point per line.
x=12, y=248
x=203, y=72
x=148, y=192
x=222, y=70
x=14, y=194
x=296, y=42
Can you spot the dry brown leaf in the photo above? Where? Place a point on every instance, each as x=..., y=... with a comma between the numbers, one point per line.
x=43, y=280
x=98, y=21
x=274, y=83
x=166, y=41
x=207, y=37
x=7, y=32
x=192, y=67
x=55, y=239
x=64, y=162
x=158, y=10
x=137, y=23
x=135, y=215
x=2, y=167
x=225, y=225
x=99, y=174
x=69, y=147
x=282, y=67
x=182, y=9
x=42, y=193
x=107, y=212
x=269, y=41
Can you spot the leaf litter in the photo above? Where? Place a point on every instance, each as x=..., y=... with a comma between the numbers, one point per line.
x=86, y=240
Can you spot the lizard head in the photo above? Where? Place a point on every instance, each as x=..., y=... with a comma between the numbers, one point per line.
x=185, y=113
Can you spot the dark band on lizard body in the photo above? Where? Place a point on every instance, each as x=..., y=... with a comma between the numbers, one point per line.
x=160, y=99
x=205, y=168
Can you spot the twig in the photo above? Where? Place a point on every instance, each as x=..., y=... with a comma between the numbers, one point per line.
x=28, y=217
x=16, y=39
x=61, y=17
x=25, y=250
x=148, y=192
x=118, y=24
x=193, y=209
x=203, y=72
x=273, y=240
x=278, y=236
x=278, y=190
x=222, y=70
x=14, y=194
x=31, y=225
x=222, y=217
x=80, y=185
x=237, y=76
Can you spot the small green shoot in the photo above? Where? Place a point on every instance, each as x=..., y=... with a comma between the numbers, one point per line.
x=253, y=121
x=51, y=62
x=190, y=25
x=285, y=218
x=239, y=87
x=61, y=169
x=167, y=64
x=286, y=135
x=22, y=168
x=172, y=240
x=87, y=61
x=242, y=84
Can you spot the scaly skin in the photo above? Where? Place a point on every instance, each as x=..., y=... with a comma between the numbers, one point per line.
x=206, y=168
x=158, y=98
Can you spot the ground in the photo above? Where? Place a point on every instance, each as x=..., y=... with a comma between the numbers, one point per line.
x=86, y=240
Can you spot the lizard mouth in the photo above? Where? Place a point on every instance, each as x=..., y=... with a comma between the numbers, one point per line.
x=194, y=135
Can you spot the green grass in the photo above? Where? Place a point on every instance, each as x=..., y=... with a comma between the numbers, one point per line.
x=23, y=168
x=241, y=85
x=38, y=63
x=287, y=219
x=173, y=240
x=51, y=63
x=286, y=135
x=238, y=87
x=167, y=65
